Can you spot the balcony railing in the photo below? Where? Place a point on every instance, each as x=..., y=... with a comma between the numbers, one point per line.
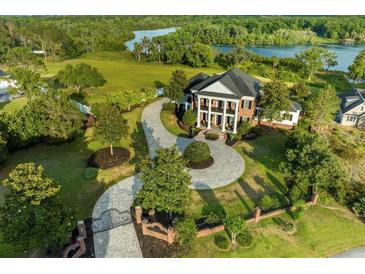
x=217, y=109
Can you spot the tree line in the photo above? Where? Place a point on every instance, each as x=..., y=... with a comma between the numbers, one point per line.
x=70, y=36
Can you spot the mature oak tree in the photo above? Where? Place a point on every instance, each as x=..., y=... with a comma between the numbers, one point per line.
x=80, y=77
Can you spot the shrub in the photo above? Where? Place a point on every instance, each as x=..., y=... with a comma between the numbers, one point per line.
x=189, y=118
x=186, y=231
x=295, y=194
x=245, y=239
x=265, y=202
x=297, y=209
x=102, y=158
x=197, y=152
x=213, y=218
x=211, y=136
x=3, y=150
x=169, y=107
x=359, y=207
x=90, y=173
x=244, y=128
x=221, y=242
x=257, y=130
x=285, y=225
x=232, y=137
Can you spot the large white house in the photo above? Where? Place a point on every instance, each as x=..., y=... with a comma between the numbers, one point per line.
x=225, y=100
x=352, y=111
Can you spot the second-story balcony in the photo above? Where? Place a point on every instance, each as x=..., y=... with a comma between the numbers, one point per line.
x=217, y=110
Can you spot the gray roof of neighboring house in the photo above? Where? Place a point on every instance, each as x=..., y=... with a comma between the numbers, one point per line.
x=240, y=83
x=352, y=99
x=2, y=73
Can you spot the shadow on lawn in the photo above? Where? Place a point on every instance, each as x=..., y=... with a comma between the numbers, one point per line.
x=139, y=144
x=211, y=203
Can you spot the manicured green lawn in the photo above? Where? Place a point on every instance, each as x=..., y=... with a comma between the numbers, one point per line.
x=261, y=176
x=122, y=72
x=334, y=78
x=169, y=120
x=13, y=105
x=319, y=233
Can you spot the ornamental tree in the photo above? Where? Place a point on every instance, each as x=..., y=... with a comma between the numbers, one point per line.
x=33, y=216
x=274, y=101
x=111, y=127
x=235, y=225
x=80, y=77
x=165, y=182
x=177, y=85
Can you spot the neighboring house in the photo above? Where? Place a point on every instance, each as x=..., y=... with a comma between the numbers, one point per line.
x=225, y=100
x=352, y=110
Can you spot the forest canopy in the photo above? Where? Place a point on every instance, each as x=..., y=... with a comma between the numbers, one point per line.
x=63, y=37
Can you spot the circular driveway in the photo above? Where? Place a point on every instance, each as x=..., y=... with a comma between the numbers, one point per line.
x=114, y=233
x=228, y=164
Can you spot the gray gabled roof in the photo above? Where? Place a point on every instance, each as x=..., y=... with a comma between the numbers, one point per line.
x=352, y=99
x=240, y=83
x=197, y=79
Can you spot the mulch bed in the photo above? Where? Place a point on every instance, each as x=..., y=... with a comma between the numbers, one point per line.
x=201, y=165
x=230, y=142
x=103, y=159
x=152, y=247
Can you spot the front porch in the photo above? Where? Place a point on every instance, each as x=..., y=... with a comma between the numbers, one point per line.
x=219, y=113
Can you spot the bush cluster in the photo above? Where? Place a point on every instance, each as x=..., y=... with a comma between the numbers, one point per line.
x=267, y=202
x=211, y=136
x=245, y=239
x=197, y=152
x=221, y=242
x=186, y=231
x=169, y=107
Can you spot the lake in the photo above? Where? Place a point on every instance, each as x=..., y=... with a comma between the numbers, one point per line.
x=345, y=53
x=139, y=34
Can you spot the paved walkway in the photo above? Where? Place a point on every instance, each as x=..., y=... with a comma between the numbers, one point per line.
x=352, y=253
x=228, y=164
x=114, y=233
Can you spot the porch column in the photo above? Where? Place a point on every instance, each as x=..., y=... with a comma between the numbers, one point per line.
x=198, y=114
x=224, y=116
x=235, y=119
x=209, y=112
